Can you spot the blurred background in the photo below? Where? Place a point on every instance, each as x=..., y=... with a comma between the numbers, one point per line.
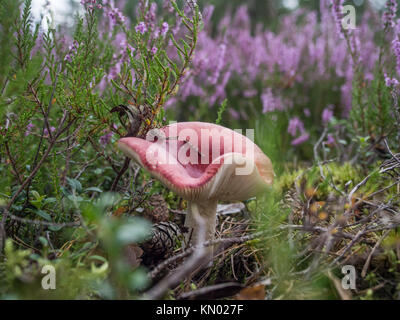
x=264, y=11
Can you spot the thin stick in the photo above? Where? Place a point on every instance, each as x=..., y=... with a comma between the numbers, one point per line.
x=367, y=263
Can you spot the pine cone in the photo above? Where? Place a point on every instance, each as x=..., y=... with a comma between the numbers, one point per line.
x=164, y=239
x=156, y=209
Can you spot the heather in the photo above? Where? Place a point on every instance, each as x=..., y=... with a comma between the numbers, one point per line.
x=322, y=99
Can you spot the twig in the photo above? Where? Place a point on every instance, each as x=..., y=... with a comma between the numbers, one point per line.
x=120, y=173
x=367, y=263
x=349, y=246
x=316, y=157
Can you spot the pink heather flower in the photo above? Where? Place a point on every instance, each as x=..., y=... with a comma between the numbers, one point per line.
x=72, y=50
x=105, y=139
x=90, y=4
x=307, y=112
x=270, y=103
x=391, y=82
x=141, y=28
x=114, y=15
x=220, y=64
x=327, y=115
x=46, y=132
x=168, y=6
x=300, y=140
x=390, y=14
x=330, y=140
x=337, y=6
x=234, y=114
x=295, y=124
x=250, y=93
x=397, y=26
x=396, y=50
x=29, y=128
x=150, y=16
x=154, y=50
x=164, y=28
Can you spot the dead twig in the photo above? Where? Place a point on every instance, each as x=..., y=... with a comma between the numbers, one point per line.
x=367, y=263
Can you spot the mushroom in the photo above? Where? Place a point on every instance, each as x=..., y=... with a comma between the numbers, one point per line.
x=203, y=163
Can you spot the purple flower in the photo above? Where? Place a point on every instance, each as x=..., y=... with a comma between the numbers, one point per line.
x=154, y=50
x=250, y=93
x=330, y=140
x=164, y=28
x=29, y=128
x=89, y=4
x=150, y=16
x=46, y=132
x=396, y=51
x=327, y=115
x=337, y=6
x=391, y=82
x=72, y=50
x=167, y=5
x=220, y=64
x=390, y=14
x=141, y=28
x=300, y=140
x=234, y=114
x=271, y=103
x=295, y=124
x=105, y=139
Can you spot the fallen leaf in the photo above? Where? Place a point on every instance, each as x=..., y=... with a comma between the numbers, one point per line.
x=120, y=211
x=132, y=254
x=252, y=293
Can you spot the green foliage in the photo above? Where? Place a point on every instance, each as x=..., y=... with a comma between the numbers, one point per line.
x=58, y=156
x=221, y=111
x=290, y=278
x=91, y=265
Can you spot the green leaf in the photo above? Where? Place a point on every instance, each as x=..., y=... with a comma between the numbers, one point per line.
x=75, y=184
x=44, y=241
x=55, y=228
x=99, y=258
x=93, y=189
x=221, y=111
x=74, y=198
x=134, y=231
x=43, y=214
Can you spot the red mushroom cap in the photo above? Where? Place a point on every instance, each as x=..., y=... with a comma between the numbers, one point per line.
x=201, y=161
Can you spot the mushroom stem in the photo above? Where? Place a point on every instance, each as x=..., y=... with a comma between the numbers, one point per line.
x=208, y=211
